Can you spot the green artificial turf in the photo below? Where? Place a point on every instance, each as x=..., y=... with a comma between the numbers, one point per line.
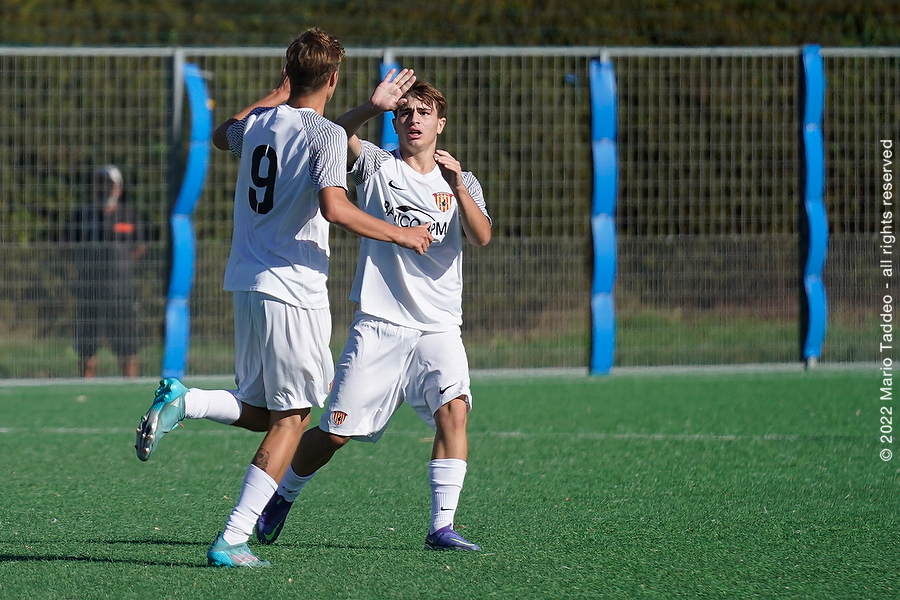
x=742, y=485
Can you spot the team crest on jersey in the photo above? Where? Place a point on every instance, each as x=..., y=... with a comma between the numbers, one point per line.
x=338, y=417
x=443, y=200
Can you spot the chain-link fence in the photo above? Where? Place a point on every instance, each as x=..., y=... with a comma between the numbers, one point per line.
x=708, y=267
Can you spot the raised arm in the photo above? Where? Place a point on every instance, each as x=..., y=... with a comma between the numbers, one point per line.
x=277, y=96
x=387, y=96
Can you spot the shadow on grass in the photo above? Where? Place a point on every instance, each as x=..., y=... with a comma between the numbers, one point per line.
x=37, y=557
x=299, y=545
x=99, y=560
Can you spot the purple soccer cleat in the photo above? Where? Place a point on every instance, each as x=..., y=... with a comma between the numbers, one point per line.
x=447, y=539
x=271, y=521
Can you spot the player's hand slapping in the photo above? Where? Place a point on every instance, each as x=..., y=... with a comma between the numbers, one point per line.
x=388, y=95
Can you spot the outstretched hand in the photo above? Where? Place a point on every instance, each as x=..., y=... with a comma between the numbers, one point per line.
x=388, y=95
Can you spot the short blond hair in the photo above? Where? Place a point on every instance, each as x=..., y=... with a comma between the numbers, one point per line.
x=311, y=59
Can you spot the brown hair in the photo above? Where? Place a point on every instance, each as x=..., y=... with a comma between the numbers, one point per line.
x=311, y=59
x=428, y=94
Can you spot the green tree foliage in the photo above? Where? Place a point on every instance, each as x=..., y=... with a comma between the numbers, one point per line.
x=460, y=23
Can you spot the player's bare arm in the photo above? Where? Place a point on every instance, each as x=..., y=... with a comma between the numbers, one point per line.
x=337, y=209
x=475, y=224
x=387, y=96
x=277, y=96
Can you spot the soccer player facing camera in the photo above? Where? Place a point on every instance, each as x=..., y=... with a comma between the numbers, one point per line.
x=404, y=343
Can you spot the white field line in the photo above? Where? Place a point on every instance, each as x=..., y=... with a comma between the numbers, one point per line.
x=575, y=374
x=428, y=436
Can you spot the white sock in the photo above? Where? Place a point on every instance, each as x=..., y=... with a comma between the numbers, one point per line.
x=221, y=406
x=446, y=476
x=257, y=489
x=291, y=484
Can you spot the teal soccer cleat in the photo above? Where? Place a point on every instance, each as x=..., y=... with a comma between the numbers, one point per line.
x=164, y=415
x=221, y=554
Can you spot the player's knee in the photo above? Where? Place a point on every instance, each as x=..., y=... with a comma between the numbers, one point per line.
x=338, y=441
x=292, y=419
x=316, y=438
x=453, y=415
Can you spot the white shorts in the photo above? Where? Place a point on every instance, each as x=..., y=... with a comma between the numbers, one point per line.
x=382, y=366
x=281, y=356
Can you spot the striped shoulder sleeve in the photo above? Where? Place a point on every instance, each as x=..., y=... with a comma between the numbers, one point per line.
x=474, y=187
x=371, y=157
x=327, y=151
x=235, y=133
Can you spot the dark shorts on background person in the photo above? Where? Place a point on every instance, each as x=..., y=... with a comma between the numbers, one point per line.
x=115, y=321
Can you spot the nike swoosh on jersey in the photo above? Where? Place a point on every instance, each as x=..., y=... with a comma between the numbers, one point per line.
x=442, y=390
x=395, y=186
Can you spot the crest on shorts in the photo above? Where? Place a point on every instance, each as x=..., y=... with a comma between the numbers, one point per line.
x=337, y=417
x=443, y=200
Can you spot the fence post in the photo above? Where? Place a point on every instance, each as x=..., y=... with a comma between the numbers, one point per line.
x=389, y=139
x=182, y=242
x=603, y=220
x=813, y=225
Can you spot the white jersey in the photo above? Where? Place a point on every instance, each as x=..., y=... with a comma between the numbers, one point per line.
x=423, y=292
x=280, y=241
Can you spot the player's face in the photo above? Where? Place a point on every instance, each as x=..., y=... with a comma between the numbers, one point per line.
x=418, y=125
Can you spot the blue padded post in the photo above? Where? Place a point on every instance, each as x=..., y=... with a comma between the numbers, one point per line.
x=603, y=220
x=813, y=221
x=177, y=308
x=389, y=139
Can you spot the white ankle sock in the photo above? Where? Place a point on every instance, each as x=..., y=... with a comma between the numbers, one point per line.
x=446, y=476
x=221, y=406
x=257, y=489
x=291, y=484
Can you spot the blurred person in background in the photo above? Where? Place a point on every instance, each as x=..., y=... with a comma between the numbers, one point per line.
x=105, y=240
